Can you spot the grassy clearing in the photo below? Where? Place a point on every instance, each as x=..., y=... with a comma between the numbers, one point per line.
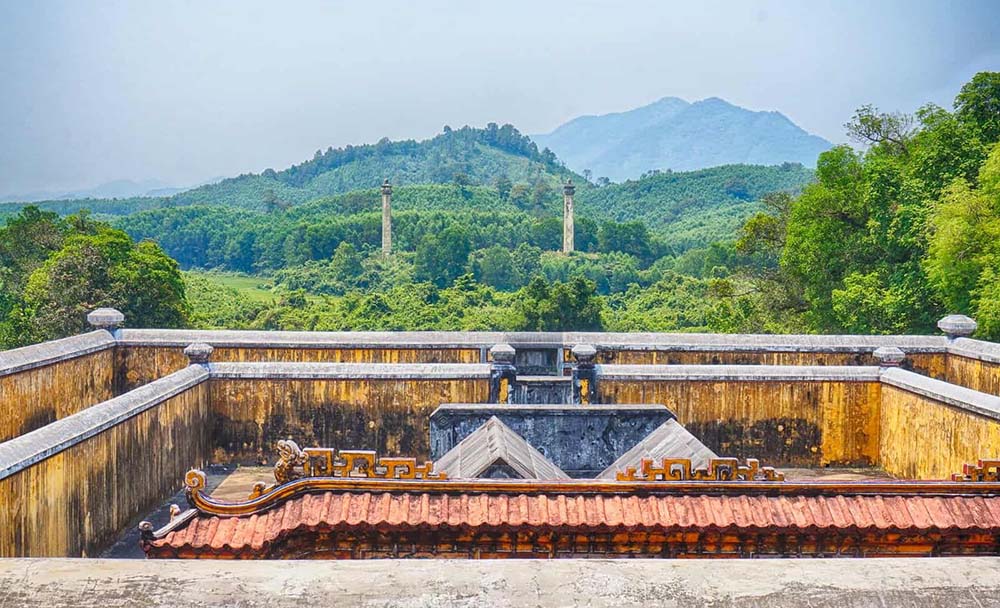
x=254, y=288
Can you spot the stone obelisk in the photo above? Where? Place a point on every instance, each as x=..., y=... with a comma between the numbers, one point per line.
x=568, y=190
x=386, y=218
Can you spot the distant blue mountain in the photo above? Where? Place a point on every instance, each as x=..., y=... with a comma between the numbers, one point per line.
x=122, y=188
x=674, y=134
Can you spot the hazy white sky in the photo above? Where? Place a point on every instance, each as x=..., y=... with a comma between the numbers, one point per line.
x=185, y=91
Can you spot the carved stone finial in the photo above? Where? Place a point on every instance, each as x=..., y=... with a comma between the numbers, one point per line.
x=195, y=480
x=584, y=353
x=568, y=188
x=198, y=353
x=386, y=187
x=503, y=353
x=106, y=318
x=889, y=356
x=146, y=531
x=290, y=457
x=957, y=326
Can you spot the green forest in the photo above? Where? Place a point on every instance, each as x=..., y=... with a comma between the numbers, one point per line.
x=885, y=237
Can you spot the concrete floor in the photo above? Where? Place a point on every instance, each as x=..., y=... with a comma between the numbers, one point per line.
x=815, y=583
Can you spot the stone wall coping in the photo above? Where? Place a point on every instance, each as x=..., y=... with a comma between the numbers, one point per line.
x=27, y=449
x=627, y=409
x=975, y=349
x=954, y=395
x=287, y=370
x=915, y=582
x=523, y=340
x=54, y=351
x=740, y=373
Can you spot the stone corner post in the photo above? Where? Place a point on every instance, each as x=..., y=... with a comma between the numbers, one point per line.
x=503, y=374
x=957, y=326
x=584, y=374
x=889, y=356
x=198, y=353
x=106, y=318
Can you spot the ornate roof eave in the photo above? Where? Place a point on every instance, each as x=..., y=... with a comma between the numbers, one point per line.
x=204, y=503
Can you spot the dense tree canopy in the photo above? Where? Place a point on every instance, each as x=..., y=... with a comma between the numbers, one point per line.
x=55, y=271
x=889, y=239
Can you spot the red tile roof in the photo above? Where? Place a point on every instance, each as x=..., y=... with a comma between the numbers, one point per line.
x=337, y=510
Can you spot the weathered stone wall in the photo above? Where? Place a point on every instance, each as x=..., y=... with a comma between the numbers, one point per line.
x=142, y=364
x=136, y=366
x=929, y=429
x=930, y=364
x=345, y=406
x=45, y=382
x=69, y=488
x=783, y=416
x=978, y=374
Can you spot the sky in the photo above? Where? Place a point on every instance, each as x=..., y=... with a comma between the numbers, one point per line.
x=183, y=92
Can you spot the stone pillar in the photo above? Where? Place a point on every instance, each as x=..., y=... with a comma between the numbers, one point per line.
x=386, y=218
x=889, y=356
x=584, y=374
x=106, y=318
x=503, y=374
x=568, y=191
x=957, y=326
x=198, y=353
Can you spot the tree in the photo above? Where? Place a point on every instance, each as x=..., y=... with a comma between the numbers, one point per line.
x=632, y=238
x=978, y=104
x=541, y=195
x=346, y=263
x=441, y=258
x=503, y=186
x=26, y=241
x=520, y=196
x=963, y=228
x=104, y=269
x=494, y=266
x=871, y=127
x=572, y=306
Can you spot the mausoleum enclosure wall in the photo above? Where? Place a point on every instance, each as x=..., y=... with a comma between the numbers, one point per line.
x=67, y=487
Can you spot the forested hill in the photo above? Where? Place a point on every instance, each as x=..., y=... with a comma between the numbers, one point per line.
x=674, y=134
x=682, y=210
x=465, y=156
x=694, y=208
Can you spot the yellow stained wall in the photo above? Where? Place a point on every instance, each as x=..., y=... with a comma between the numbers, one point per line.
x=791, y=423
x=143, y=364
x=79, y=500
x=33, y=398
x=981, y=376
x=922, y=438
x=930, y=364
x=390, y=416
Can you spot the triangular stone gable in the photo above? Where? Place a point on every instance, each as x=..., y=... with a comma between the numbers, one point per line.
x=495, y=451
x=669, y=440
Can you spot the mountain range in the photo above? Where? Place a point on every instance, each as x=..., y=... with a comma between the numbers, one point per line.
x=494, y=168
x=681, y=136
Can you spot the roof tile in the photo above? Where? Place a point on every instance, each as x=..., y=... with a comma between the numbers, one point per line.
x=340, y=510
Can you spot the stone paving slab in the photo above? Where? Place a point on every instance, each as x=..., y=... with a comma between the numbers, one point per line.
x=843, y=583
